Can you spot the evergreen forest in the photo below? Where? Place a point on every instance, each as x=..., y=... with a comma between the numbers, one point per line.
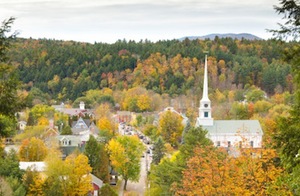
x=65, y=70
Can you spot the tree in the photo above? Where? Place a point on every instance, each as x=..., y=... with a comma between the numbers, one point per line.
x=10, y=98
x=5, y=189
x=170, y=127
x=158, y=150
x=290, y=9
x=66, y=130
x=211, y=171
x=33, y=150
x=79, y=177
x=33, y=182
x=69, y=177
x=7, y=126
x=107, y=190
x=11, y=173
x=208, y=173
x=288, y=135
x=107, y=128
x=98, y=159
x=125, y=153
x=169, y=170
x=9, y=165
x=40, y=111
x=143, y=103
x=195, y=136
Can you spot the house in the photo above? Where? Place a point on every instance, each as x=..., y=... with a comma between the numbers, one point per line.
x=83, y=125
x=123, y=116
x=227, y=133
x=80, y=125
x=81, y=111
x=68, y=143
x=97, y=184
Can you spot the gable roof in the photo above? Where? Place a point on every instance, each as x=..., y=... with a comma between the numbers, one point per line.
x=75, y=140
x=232, y=127
x=97, y=181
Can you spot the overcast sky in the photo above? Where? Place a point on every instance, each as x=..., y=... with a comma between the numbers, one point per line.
x=110, y=20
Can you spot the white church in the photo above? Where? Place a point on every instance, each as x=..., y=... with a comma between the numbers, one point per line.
x=227, y=133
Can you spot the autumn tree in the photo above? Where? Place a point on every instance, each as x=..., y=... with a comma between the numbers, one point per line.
x=107, y=127
x=33, y=150
x=40, y=112
x=79, y=177
x=69, y=177
x=33, y=182
x=31, y=131
x=125, y=153
x=212, y=171
x=170, y=127
x=209, y=173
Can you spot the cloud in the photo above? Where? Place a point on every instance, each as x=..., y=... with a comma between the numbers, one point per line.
x=155, y=19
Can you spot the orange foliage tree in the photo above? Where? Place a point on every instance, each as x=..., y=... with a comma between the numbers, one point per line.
x=211, y=171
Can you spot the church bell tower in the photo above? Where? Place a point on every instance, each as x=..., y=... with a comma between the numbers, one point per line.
x=205, y=118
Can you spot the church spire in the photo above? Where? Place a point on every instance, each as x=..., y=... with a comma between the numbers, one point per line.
x=205, y=83
x=205, y=118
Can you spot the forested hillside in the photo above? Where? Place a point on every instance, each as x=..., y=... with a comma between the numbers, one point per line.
x=64, y=70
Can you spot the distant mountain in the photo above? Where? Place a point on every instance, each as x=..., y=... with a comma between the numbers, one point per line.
x=229, y=35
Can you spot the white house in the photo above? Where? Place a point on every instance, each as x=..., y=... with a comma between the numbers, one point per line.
x=227, y=133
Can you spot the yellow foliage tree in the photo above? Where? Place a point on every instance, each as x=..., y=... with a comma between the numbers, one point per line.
x=43, y=121
x=103, y=110
x=79, y=177
x=36, y=188
x=105, y=124
x=33, y=150
x=144, y=102
x=69, y=177
x=125, y=153
x=170, y=127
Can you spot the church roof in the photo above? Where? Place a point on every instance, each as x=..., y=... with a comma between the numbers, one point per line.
x=232, y=127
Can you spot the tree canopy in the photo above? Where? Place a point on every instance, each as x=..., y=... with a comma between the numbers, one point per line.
x=125, y=153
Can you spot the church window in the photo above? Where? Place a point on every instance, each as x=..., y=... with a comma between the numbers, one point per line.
x=205, y=114
x=218, y=143
x=251, y=144
x=206, y=105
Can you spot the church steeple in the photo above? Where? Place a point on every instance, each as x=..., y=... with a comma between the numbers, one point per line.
x=205, y=118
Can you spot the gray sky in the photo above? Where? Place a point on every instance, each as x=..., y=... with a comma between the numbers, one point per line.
x=110, y=20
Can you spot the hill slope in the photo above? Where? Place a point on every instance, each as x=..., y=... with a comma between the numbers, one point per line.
x=229, y=35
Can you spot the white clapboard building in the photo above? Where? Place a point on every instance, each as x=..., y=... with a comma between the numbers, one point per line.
x=227, y=133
